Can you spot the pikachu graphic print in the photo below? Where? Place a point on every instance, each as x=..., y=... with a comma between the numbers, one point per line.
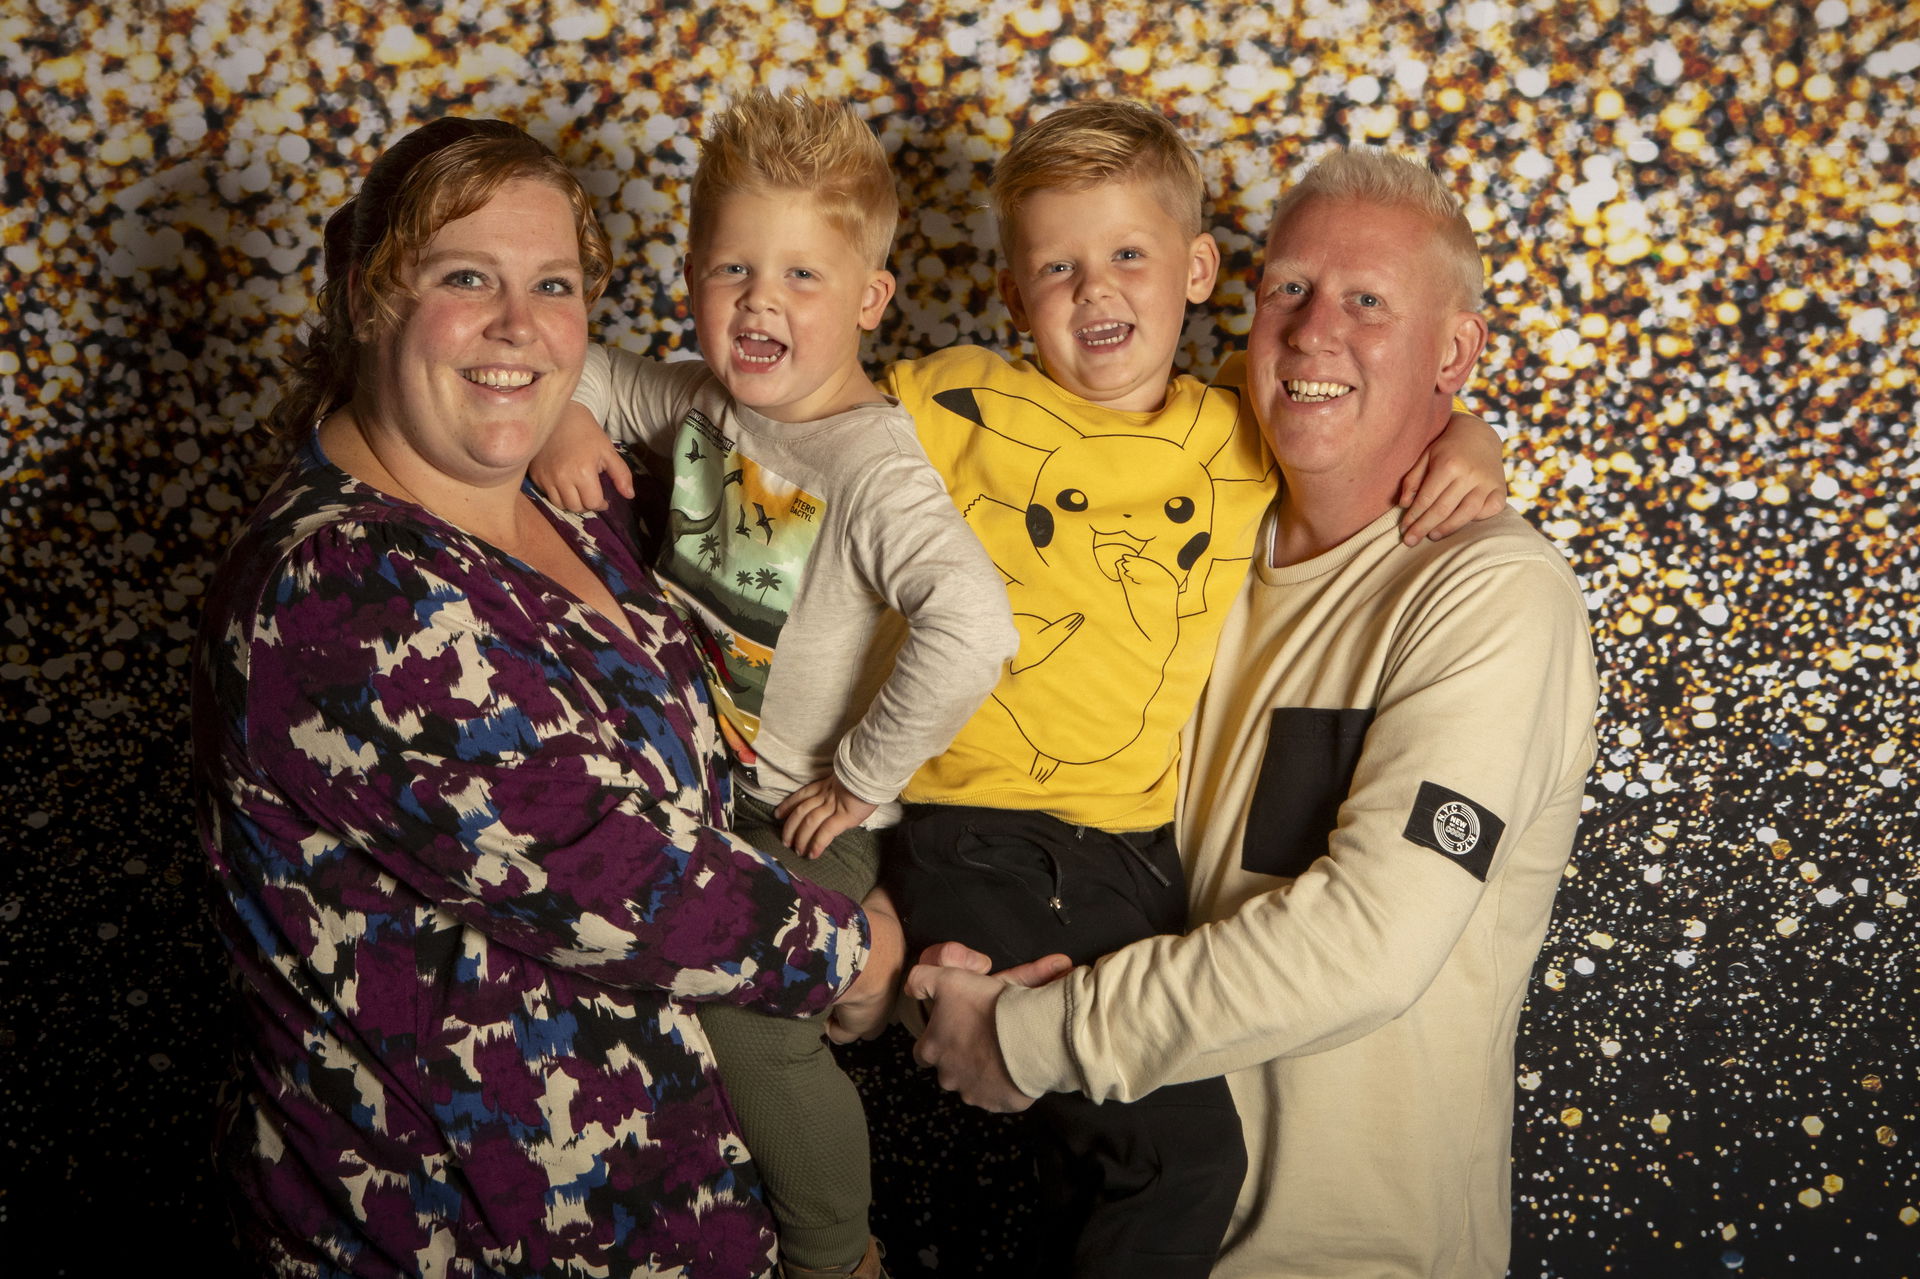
x=1122, y=538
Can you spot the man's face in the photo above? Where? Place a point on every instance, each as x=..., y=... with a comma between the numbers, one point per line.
x=1356, y=345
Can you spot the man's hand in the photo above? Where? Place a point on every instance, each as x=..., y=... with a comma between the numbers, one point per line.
x=1459, y=479
x=817, y=812
x=569, y=466
x=861, y=1013
x=960, y=1042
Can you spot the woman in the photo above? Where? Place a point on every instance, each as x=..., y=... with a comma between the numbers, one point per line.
x=459, y=787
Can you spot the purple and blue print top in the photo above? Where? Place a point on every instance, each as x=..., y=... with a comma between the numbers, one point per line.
x=470, y=863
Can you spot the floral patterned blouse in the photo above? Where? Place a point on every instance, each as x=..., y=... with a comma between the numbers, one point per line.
x=470, y=863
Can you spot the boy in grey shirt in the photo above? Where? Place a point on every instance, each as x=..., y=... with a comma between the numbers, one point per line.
x=850, y=620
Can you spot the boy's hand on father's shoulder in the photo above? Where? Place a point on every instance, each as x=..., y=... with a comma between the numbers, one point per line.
x=1459, y=479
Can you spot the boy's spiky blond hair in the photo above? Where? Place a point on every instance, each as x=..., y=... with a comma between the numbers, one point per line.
x=823, y=150
x=1094, y=141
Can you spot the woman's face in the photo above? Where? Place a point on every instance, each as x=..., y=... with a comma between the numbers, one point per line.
x=475, y=377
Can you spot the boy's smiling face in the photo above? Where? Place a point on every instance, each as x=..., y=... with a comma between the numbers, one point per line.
x=780, y=297
x=1101, y=277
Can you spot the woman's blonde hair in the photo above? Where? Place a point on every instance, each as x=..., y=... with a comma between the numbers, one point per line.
x=435, y=175
x=1099, y=140
x=822, y=150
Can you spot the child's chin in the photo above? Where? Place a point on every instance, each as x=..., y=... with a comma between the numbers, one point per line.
x=766, y=403
x=750, y=389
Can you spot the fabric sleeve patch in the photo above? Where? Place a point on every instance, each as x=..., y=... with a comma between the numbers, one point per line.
x=1450, y=823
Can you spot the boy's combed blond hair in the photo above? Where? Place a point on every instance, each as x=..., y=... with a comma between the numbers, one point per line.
x=823, y=150
x=1099, y=140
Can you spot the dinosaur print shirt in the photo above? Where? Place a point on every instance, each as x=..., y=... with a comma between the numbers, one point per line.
x=1123, y=539
x=468, y=860
x=848, y=620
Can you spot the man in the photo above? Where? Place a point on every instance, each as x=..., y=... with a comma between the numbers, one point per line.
x=1382, y=786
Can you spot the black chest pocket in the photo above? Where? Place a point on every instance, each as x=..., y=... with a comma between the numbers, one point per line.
x=1304, y=778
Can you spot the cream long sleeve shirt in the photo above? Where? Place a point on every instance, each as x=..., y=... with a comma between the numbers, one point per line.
x=1383, y=783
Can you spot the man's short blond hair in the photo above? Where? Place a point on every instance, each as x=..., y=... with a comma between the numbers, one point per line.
x=1099, y=140
x=763, y=143
x=1370, y=175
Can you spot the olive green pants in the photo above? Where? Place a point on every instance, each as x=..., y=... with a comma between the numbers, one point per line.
x=798, y=1112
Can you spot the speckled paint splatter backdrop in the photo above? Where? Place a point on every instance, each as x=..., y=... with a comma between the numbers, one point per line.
x=1701, y=222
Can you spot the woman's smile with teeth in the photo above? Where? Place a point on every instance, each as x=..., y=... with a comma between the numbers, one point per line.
x=500, y=379
x=758, y=348
x=1316, y=392
x=1104, y=334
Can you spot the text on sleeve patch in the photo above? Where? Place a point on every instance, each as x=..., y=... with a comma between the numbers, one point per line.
x=1453, y=825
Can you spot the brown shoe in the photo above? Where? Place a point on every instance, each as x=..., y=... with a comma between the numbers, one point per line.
x=868, y=1267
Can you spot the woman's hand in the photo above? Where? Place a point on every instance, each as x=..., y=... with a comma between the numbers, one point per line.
x=817, y=812
x=863, y=1011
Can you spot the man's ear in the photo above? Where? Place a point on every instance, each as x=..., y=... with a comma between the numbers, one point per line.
x=1016, y=305
x=1466, y=338
x=1203, y=267
x=873, y=302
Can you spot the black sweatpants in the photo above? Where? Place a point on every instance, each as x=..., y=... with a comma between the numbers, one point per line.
x=1140, y=1188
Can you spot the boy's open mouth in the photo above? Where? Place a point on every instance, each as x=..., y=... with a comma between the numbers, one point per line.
x=1304, y=392
x=500, y=379
x=757, y=348
x=1098, y=335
